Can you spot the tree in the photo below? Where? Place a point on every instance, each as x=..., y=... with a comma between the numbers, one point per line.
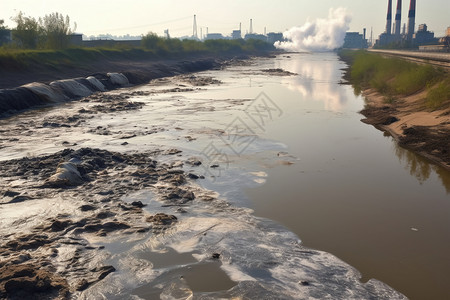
x=56, y=30
x=28, y=31
x=150, y=41
x=4, y=33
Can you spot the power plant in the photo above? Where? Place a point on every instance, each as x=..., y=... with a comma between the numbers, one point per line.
x=411, y=20
x=398, y=18
x=393, y=35
x=389, y=18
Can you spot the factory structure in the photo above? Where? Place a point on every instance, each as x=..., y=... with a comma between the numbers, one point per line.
x=270, y=37
x=397, y=35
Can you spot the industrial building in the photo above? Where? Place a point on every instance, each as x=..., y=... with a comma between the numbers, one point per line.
x=355, y=40
x=397, y=37
x=392, y=37
x=423, y=36
x=236, y=34
x=214, y=36
x=273, y=37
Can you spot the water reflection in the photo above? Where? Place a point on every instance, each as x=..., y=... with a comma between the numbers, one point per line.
x=317, y=80
x=420, y=167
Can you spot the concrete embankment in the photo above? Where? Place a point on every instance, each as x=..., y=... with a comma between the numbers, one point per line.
x=35, y=94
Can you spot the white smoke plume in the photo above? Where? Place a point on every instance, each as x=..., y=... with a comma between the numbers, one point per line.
x=319, y=35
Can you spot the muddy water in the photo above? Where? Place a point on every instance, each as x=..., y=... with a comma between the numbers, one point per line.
x=353, y=191
x=280, y=146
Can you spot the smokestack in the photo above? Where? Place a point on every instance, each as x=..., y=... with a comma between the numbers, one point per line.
x=389, y=18
x=364, y=35
x=251, y=26
x=398, y=18
x=411, y=19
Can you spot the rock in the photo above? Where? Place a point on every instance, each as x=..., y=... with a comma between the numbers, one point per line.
x=87, y=207
x=82, y=285
x=193, y=161
x=162, y=219
x=28, y=242
x=104, y=215
x=177, y=193
x=10, y=194
x=60, y=225
x=28, y=281
x=137, y=204
x=172, y=151
x=193, y=176
x=103, y=271
x=99, y=273
x=66, y=175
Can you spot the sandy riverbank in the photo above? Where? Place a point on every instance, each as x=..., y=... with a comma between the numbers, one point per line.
x=412, y=124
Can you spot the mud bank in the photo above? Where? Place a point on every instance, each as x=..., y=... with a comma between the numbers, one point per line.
x=35, y=94
x=412, y=125
x=50, y=255
x=136, y=223
x=408, y=119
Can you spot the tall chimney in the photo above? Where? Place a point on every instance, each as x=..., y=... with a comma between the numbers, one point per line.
x=411, y=19
x=389, y=18
x=398, y=18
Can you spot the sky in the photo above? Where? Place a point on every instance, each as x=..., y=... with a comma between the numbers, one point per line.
x=137, y=17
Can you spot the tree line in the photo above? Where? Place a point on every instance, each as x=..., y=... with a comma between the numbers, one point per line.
x=160, y=45
x=50, y=32
x=53, y=32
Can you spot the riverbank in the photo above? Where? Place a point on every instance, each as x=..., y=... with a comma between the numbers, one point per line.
x=416, y=116
x=41, y=78
x=141, y=216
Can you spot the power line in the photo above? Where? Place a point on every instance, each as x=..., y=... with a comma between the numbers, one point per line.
x=142, y=26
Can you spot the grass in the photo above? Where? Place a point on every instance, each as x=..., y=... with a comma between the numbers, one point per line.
x=19, y=59
x=393, y=77
x=439, y=94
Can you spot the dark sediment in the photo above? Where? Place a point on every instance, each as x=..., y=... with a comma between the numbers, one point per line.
x=30, y=262
x=431, y=142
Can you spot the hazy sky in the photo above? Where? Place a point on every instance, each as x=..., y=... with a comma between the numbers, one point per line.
x=138, y=17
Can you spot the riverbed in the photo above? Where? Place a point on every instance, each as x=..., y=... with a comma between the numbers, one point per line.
x=274, y=151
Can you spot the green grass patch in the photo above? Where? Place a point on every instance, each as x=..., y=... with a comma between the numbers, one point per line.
x=393, y=77
x=439, y=94
x=153, y=47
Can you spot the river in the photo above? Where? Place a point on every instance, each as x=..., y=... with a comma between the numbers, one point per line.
x=286, y=156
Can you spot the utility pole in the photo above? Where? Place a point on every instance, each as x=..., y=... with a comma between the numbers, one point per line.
x=194, y=31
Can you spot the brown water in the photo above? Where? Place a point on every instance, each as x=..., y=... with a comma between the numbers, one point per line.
x=337, y=183
x=354, y=192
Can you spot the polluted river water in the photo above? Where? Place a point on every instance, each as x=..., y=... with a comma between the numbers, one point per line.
x=284, y=157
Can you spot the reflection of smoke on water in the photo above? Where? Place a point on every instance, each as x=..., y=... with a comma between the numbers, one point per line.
x=420, y=168
x=318, y=35
x=317, y=80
